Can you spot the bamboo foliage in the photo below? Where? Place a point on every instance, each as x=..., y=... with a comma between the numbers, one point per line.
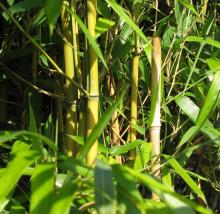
x=70, y=91
x=134, y=82
x=155, y=108
x=93, y=99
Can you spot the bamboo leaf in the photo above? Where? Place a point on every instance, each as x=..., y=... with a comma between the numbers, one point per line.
x=189, y=6
x=143, y=154
x=15, y=169
x=119, y=10
x=118, y=150
x=7, y=136
x=213, y=63
x=210, y=100
x=207, y=108
x=190, y=133
x=25, y=5
x=102, y=26
x=192, y=111
x=90, y=38
x=204, y=40
x=178, y=169
x=160, y=189
x=64, y=198
x=52, y=10
x=75, y=166
x=42, y=188
x=104, y=189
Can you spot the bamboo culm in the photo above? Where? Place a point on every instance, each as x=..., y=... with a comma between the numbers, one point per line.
x=155, y=108
x=134, y=83
x=93, y=99
x=70, y=90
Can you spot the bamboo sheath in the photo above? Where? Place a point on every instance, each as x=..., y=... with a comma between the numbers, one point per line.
x=70, y=90
x=134, y=83
x=156, y=92
x=93, y=99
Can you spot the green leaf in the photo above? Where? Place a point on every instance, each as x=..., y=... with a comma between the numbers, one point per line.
x=213, y=63
x=52, y=10
x=192, y=111
x=104, y=189
x=183, y=174
x=99, y=128
x=156, y=207
x=75, y=166
x=189, y=6
x=210, y=100
x=118, y=150
x=138, y=128
x=129, y=197
x=204, y=40
x=64, y=198
x=90, y=38
x=190, y=133
x=14, y=171
x=120, y=11
x=19, y=146
x=160, y=189
x=25, y=5
x=42, y=188
x=7, y=136
x=206, y=109
x=143, y=154
x=102, y=26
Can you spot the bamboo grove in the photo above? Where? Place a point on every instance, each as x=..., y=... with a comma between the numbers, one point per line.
x=109, y=106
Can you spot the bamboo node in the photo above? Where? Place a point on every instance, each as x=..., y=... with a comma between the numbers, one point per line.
x=93, y=97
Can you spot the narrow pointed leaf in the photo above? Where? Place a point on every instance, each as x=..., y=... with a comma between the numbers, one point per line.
x=104, y=189
x=15, y=169
x=42, y=188
x=121, y=13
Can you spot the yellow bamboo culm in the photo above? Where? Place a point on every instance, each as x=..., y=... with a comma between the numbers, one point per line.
x=134, y=83
x=78, y=69
x=155, y=107
x=93, y=99
x=70, y=91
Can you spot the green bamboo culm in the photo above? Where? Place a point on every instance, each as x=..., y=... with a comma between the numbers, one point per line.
x=70, y=90
x=155, y=108
x=93, y=99
x=134, y=82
